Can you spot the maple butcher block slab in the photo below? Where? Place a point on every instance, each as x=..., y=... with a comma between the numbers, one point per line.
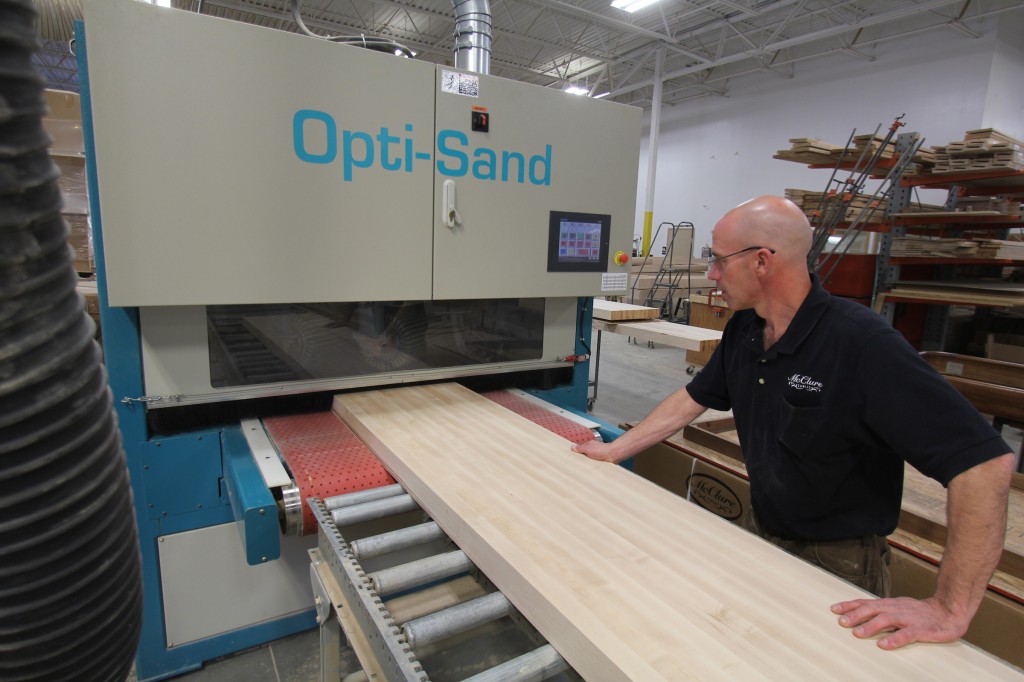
x=626, y=580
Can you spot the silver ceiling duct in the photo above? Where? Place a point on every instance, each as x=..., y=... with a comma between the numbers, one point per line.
x=473, y=35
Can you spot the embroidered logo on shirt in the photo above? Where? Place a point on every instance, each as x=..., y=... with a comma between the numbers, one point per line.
x=802, y=382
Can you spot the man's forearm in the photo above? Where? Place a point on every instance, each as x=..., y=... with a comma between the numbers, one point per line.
x=976, y=520
x=671, y=415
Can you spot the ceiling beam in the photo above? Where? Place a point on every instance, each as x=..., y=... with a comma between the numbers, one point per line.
x=793, y=42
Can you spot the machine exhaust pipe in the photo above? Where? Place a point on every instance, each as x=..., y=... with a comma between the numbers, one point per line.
x=70, y=569
x=473, y=35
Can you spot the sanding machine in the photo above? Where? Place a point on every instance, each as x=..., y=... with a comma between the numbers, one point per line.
x=278, y=219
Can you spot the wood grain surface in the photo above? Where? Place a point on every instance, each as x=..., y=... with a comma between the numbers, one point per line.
x=666, y=333
x=614, y=311
x=626, y=580
x=924, y=502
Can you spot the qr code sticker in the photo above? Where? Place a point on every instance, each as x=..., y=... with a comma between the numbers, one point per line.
x=469, y=85
x=449, y=81
x=460, y=83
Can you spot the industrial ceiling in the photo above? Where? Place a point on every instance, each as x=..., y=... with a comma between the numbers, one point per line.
x=590, y=44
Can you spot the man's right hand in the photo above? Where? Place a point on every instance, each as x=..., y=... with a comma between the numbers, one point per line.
x=602, y=452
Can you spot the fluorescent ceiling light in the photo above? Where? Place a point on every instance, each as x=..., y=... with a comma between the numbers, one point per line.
x=631, y=5
x=576, y=90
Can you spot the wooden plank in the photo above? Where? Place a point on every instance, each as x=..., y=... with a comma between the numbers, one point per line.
x=669, y=334
x=940, y=294
x=718, y=434
x=999, y=401
x=625, y=579
x=665, y=333
x=616, y=312
x=977, y=369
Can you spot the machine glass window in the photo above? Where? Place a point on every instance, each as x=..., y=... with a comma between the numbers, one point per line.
x=259, y=344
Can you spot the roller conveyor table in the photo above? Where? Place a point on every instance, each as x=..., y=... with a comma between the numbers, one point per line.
x=410, y=603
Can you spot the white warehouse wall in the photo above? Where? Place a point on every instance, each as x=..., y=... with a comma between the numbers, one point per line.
x=716, y=152
x=1004, y=102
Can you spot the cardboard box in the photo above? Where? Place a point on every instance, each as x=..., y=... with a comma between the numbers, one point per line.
x=1005, y=347
x=641, y=286
x=73, y=183
x=996, y=628
x=63, y=123
x=90, y=296
x=707, y=485
x=720, y=492
x=709, y=312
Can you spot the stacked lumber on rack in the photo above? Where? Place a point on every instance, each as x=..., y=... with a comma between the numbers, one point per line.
x=932, y=247
x=982, y=149
x=810, y=150
x=811, y=201
x=1000, y=204
x=993, y=293
x=813, y=151
x=868, y=145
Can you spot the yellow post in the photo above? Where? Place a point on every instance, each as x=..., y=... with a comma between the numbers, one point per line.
x=645, y=245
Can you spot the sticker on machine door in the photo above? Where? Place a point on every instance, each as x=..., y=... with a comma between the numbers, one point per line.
x=456, y=83
x=613, y=281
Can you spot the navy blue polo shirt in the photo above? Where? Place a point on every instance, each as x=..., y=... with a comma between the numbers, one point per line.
x=827, y=416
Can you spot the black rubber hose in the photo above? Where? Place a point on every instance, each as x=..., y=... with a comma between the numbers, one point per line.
x=70, y=570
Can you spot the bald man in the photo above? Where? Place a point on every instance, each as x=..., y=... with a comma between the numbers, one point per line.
x=829, y=401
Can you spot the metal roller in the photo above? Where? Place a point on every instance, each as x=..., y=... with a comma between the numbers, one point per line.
x=384, y=543
x=421, y=572
x=358, y=497
x=375, y=509
x=537, y=665
x=460, y=618
x=291, y=504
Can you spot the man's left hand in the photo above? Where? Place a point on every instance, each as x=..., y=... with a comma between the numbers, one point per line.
x=905, y=620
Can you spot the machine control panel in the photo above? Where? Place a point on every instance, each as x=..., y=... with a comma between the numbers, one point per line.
x=578, y=242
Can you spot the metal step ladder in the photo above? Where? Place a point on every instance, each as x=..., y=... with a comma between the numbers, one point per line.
x=668, y=280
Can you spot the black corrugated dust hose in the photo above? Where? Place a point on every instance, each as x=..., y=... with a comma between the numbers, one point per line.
x=70, y=570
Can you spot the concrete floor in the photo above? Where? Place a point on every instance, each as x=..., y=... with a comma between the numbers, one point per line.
x=633, y=378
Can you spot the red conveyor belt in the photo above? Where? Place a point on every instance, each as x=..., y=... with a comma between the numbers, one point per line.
x=555, y=423
x=326, y=459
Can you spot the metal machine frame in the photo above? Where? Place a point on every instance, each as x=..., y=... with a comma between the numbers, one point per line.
x=190, y=482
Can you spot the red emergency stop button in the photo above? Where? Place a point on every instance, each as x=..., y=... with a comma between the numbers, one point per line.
x=621, y=258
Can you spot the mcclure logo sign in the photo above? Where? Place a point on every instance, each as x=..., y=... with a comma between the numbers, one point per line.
x=715, y=496
x=802, y=382
x=316, y=139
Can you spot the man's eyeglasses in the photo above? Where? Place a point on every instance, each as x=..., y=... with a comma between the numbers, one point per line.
x=712, y=259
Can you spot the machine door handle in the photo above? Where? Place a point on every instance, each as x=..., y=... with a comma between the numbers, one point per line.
x=449, y=214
